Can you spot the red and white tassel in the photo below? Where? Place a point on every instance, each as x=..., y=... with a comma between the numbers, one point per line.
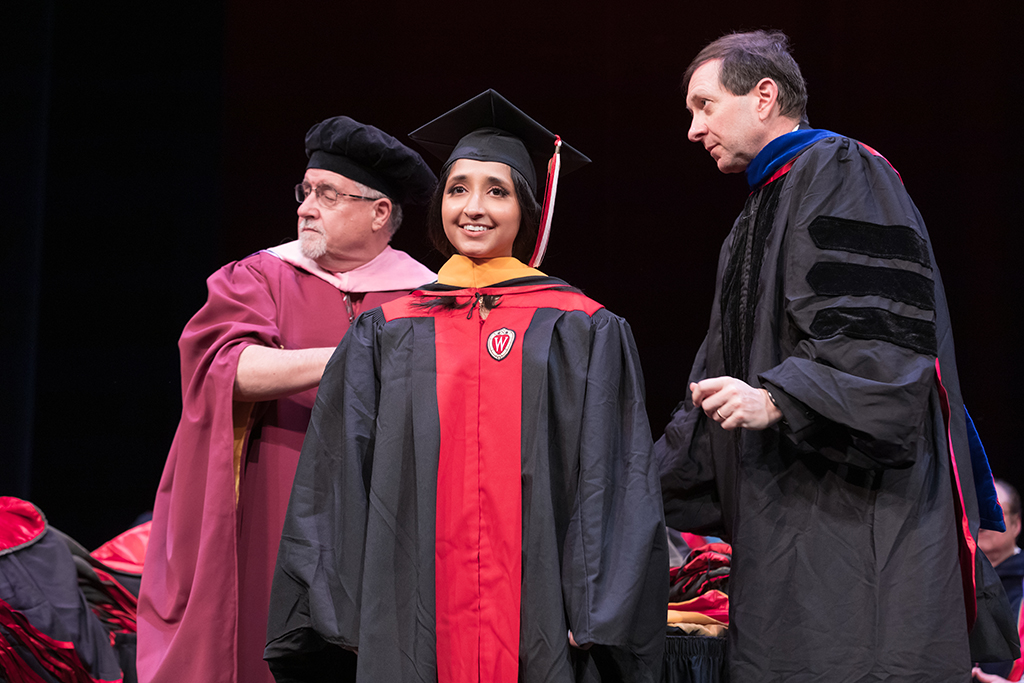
x=548, y=209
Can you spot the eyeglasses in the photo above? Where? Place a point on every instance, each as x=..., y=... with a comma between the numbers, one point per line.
x=325, y=194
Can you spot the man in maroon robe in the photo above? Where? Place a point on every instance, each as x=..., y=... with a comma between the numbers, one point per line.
x=251, y=361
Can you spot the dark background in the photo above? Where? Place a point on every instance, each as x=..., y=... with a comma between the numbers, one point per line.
x=147, y=144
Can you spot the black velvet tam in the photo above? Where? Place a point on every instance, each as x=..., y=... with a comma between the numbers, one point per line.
x=369, y=156
x=490, y=128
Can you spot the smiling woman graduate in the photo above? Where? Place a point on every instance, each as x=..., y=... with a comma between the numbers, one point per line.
x=476, y=498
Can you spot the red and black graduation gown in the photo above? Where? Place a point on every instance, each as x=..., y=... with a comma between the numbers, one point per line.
x=474, y=487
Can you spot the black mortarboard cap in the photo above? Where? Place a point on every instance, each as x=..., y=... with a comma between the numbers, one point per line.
x=370, y=156
x=490, y=128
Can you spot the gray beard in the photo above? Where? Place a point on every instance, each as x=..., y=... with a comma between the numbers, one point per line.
x=313, y=245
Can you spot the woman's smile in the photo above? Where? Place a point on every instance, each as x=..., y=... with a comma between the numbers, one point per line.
x=479, y=209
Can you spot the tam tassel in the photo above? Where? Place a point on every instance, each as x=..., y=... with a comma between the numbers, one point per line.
x=550, y=189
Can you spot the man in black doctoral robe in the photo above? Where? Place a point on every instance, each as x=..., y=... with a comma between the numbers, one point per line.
x=823, y=433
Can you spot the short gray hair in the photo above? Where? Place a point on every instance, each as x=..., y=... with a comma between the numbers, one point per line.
x=395, y=220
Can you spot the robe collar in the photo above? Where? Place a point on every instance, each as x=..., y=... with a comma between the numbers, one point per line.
x=21, y=524
x=780, y=150
x=389, y=271
x=460, y=271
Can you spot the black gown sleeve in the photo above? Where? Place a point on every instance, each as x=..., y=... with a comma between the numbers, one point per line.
x=313, y=624
x=858, y=334
x=687, y=469
x=615, y=563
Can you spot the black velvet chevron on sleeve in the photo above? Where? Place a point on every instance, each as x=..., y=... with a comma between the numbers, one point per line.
x=860, y=237
x=828, y=278
x=876, y=323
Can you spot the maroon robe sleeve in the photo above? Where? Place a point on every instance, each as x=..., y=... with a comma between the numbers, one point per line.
x=189, y=587
x=206, y=583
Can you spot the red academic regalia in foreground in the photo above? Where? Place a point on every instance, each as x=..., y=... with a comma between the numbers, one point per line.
x=206, y=585
x=48, y=631
x=472, y=488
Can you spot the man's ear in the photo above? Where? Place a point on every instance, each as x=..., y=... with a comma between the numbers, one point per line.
x=767, y=93
x=381, y=213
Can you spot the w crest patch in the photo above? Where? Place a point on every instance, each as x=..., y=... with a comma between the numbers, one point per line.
x=499, y=343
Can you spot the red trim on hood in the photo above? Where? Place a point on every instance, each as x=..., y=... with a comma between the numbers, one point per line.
x=125, y=552
x=21, y=523
x=966, y=542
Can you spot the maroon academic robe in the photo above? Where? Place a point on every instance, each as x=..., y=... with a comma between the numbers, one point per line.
x=210, y=561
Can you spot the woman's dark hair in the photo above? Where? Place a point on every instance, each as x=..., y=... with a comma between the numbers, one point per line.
x=529, y=218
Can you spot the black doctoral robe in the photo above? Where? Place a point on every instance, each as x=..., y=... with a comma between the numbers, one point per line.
x=844, y=519
x=356, y=566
